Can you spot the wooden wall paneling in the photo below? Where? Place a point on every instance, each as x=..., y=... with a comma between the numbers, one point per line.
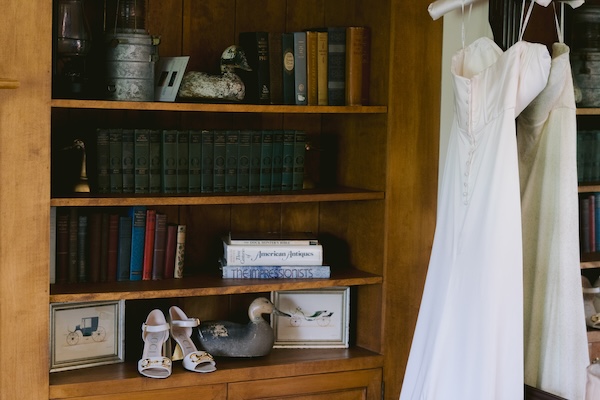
x=260, y=15
x=300, y=217
x=256, y=217
x=304, y=14
x=164, y=18
x=413, y=140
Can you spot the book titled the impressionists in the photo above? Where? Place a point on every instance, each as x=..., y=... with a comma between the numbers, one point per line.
x=277, y=272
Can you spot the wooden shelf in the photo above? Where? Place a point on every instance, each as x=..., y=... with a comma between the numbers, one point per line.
x=589, y=188
x=588, y=111
x=215, y=107
x=304, y=196
x=204, y=285
x=124, y=377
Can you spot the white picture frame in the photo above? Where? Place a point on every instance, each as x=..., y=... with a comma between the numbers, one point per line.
x=86, y=334
x=318, y=318
x=169, y=73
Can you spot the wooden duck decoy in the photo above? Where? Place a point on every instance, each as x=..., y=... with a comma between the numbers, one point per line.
x=226, y=86
x=231, y=339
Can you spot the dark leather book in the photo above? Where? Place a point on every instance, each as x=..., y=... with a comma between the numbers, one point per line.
x=336, y=66
x=124, y=249
x=62, y=245
x=160, y=238
x=73, y=227
x=257, y=81
x=113, y=248
x=149, y=244
x=94, y=246
x=170, y=246
x=275, y=68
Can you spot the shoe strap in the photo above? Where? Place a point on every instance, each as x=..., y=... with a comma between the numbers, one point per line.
x=186, y=323
x=155, y=328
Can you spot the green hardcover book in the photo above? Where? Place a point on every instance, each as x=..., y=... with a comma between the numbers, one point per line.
x=256, y=47
x=142, y=152
x=169, y=164
x=277, y=161
x=155, y=160
x=195, y=162
x=244, y=158
x=299, y=153
x=128, y=161
x=266, y=161
x=232, y=138
x=287, y=170
x=207, y=161
x=116, y=161
x=219, y=161
x=300, y=77
x=183, y=163
x=289, y=79
x=103, y=161
x=255, y=160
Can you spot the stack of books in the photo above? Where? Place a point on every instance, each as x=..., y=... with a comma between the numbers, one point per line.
x=296, y=255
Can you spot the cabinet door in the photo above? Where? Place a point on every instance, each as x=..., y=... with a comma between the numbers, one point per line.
x=362, y=384
x=207, y=392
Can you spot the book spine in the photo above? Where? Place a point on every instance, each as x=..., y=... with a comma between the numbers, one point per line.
x=275, y=68
x=289, y=79
x=170, y=246
x=82, y=248
x=255, y=161
x=104, y=246
x=183, y=153
x=94, y=245
x=148, y=254
x=128, y=146
x=208, y=166
x=272, y=255
x=62, y=246
x=366, y=67
x=142, y=154
x=299, y=155
x=322, y=68
x=116, y=161
x=277, y=161
x=155, y=160
x=287, y=170
x=195, y=162
x=160, y=236
x=52, y=243
x=113, y=247
x=73, y=226
x=138, y=227
x=232, y=138
x=277, y=272
x=592, y=222
x=180, y=252
x=312, y=60
x=256, y=47
x=169, y=161
x=244, y=158
x=354, y=64
x=103, y=161
x=219, y=161
x=272, y=242
x=124, y=249
x=266, y=161
x=336, y=66
x=300, y=77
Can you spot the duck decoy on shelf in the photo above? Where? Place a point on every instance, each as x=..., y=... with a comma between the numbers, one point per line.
x=228, y=85
x=231, y=339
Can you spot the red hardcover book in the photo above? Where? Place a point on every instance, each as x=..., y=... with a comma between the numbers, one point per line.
x=149, y=244
x=160, y=237
x=62, y=246
x=171, y=244
x=113, y=247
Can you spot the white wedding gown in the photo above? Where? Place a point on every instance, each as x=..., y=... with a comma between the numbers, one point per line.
x=468, y=342
x=555, y=339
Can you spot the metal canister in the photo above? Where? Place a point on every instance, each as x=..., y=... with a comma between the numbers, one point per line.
x=585, y=55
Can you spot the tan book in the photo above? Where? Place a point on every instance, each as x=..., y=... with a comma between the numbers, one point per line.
x=311, y=68
x=354, y=64
x=322, y=98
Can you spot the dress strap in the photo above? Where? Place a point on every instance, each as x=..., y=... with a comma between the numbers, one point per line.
x=525, y=20
x=463, y=29
x=559, y=31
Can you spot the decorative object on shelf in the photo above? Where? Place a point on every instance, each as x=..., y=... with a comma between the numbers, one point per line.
x=592, y=315
x=155, y=334
x=185, y=349
x=169, y=73
x=86, y=334
x=82, y=185
x=130, y=54
x=317, y=318
x=585, y=55
x=231, y=339
x=226, y=86
x=73, y=44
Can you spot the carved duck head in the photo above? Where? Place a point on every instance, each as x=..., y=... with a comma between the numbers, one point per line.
x=234, y=58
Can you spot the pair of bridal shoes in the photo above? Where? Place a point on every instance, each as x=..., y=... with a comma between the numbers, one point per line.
x=156, y=332
x=591, y=297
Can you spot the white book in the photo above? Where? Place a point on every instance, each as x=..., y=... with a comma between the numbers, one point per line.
x=277, y=272
x=237, y=255
x=271, y=238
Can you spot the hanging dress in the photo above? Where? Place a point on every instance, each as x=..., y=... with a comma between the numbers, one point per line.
x=555, y=338
x=468, y=341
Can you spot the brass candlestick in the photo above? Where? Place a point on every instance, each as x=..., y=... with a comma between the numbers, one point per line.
x=82, y=186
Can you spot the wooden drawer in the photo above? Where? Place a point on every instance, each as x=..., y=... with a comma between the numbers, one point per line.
x=207, y=392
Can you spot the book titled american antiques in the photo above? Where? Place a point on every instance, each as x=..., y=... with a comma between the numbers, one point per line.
x=238, y=255
x=276, y=272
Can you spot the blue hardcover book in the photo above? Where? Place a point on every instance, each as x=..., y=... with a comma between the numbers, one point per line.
x=300, y=77
x=299, y=153
x=207, y=161
x=277, y=161
x=141, y=153
x=169, y=161
x=289, y=76
x=195, y=162
x=255, y=161
x=124, y=249
x=231, y=160
x=183, y=153
x=138, y=231
x=219, y=161
x=128, y=161
x=287, y=169
x=266, y=166
x=244, y=158
x=155, y=160
x=116, y=160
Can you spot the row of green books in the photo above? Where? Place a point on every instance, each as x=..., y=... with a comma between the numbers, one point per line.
x=588, y=156
x=199, y=161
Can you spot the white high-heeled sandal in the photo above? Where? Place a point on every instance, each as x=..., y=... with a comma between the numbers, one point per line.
x=155, y=333
x=185, y=349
